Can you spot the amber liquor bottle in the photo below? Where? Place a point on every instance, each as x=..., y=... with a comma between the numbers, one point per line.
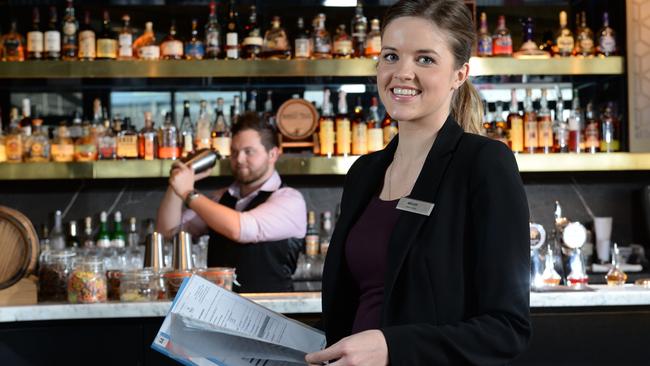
x=106, y=41
x=253, y=42
x=87, y=40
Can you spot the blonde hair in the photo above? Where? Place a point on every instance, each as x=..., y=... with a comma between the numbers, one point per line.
x=454, y=17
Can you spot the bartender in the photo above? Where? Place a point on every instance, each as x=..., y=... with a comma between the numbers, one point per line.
x=256, y=225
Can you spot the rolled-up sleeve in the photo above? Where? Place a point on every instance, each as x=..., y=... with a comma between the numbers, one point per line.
x=282, y=216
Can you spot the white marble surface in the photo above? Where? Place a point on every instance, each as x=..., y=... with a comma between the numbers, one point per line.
x=306, y=302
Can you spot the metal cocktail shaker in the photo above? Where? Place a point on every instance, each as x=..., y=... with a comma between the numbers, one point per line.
x=201, y=161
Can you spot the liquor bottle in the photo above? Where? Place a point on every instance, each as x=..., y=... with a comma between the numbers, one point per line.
x=373, y=41
x=87, y=239
x=106, y=141
x=127, y=141
x=560, y=127
x=186, y=131
x=269, y=115
x=213, y=34
x=252, y=102
x=359, y=29
x=3, y=142
x=38, y=144
x=14, y=139
x=500, y=124
x=359, y=131
x=203, y=128
x=75, y=128
x=544, y=126
x=26, y=121
x=148, y=139
x=194, y=49
x=484, y=48
x=585, y=38
x=12, y=46
x=342, y=46
x=125, y=40
x=529, y=48
x=390, y=128
x=103, y=239
x=615, y=276
x=62, y=148
x=326, y=230
x=276, y=43
x=342, y=127
x=85, y=147
x=72, y=239
x=145, y=47
x=253, y=41
x=171, y=47
x=326, y=136
x=220, y=134
x=610, y=125
x=52, y=38
x=606, y=38
x=312, y=239
x=118, y=237
x=168, y=145
x=576, y=121
x=502, y=39
x=564, y=40
x=235, y=110
x=69, y=46
x=106, y=41
x=232, y=32
x=87, y=40
x=35, y=37
x=133, y=236
x=302, y=42
x=531, y=138
x=57, y=237
x=375, y=133
x=322, y=42
x=592, y=130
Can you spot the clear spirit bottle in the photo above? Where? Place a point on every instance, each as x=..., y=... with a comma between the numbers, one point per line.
x=592, y=130
x=302, y=43
x=213, y=34
x=203, y=127
x=606, y=38
x=187, y=131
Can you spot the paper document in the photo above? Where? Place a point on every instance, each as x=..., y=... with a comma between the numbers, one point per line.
x=208, y=325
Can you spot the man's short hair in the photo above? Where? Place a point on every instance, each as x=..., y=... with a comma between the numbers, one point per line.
x=251, y=121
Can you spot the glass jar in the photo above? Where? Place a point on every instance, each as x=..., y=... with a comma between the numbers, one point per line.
x=113, y=280
x=140, y=285
x=174, y=280
x=53, y=275
x=220, y=276
x=87, y=283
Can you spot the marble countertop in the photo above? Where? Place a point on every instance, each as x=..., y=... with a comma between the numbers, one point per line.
x=305, y=302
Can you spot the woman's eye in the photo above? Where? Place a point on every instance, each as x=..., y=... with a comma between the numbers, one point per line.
x=390, y=57
x=426, y=60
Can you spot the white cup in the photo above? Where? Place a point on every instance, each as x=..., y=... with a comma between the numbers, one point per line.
x=603, y=231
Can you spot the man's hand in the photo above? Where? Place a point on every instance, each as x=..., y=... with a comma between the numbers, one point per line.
x=362, y=349
x=181, y=179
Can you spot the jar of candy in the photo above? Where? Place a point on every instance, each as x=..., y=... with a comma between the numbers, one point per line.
x=87, y=283
x=174, y=280
x=220, y=276
x=139, y=285
x=55, y=268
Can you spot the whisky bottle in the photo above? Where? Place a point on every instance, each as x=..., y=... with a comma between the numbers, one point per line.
x=145, y=47
x=212, y=34
x=12, y=46
x=576, y=122
x=194, y=49
x=276, y=43
x=606, y=38
x=85, y=147
x=87, y=40
x=375, y=133
x=342, y=127
x=373, y=41
x=187, y=131
x=610, y=125
x=500, y=124
x=62, y=148
x=544, y=126
x=148, y=139
x=484, y=48
x=326, y=136
x=203, y=128
x=232, y=32
x=106, y=141
x=615, y=276
x=359, y=131
x=342, y=46
x=168, y=145
x=390, y=128
x=359, y=29
x=253, y=41
x=171, y=47
x=52, y=38
x=560, y=127
x=302, y=42
x=35, y=37
x=106, y=41
x=220, y=134
x=564, y=40
x=127, y=141
x=38, y=144
x=531, y=137
x=592, y=127
x=14, y=139
x=502, y=39
x=125, y=40
x=69, y=40
x=322, y=42
x=585, y=38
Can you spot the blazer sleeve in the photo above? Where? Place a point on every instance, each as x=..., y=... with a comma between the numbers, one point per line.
x=499, y=328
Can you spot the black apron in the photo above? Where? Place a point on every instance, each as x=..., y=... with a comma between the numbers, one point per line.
x=260, y=267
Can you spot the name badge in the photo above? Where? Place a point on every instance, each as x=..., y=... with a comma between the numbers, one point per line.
x=415, y=206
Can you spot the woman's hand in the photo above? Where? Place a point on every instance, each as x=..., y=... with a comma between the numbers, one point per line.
x=361, y=349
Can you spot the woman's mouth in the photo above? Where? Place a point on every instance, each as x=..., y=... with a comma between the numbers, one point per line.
x=402, y=93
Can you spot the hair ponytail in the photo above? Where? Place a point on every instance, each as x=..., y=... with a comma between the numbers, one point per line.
x=467, y=108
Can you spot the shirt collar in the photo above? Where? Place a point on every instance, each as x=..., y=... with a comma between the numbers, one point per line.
x=271, y=185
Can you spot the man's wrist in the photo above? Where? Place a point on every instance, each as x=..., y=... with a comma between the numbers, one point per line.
x=190, y=196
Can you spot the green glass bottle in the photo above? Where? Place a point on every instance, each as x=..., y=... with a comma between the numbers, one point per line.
x=103, y=237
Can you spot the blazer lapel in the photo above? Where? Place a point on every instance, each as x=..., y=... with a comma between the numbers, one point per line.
x=425, y=189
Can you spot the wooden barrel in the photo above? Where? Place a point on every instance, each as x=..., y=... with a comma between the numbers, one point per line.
x=18, y=247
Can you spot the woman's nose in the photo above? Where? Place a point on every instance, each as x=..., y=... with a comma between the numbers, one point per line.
x=404, y=71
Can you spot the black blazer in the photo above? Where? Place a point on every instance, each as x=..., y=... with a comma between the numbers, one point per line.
x=457, y=281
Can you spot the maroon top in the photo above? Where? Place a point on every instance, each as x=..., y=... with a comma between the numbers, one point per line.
x=366, y=251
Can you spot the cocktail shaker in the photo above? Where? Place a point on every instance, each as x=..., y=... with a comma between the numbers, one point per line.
x=201, y=161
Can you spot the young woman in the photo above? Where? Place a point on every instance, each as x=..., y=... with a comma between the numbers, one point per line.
x=429, y=261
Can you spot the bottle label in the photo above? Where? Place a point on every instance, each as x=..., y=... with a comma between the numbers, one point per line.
x=502, y=45
x=389, y=133
x=127, y=146
x=168, y=152
x=126, y=45
x=52, y=41
x=172, y=48
x=232, y=39
x=221, y=145
x=14, y=148
x=326, y=137
x=565, y=44
x=343, y=47
x=188, y=144
x=87, y=47
x=303, y=48
x=149, y=52
x=62, y=152
x=37, y=150
x=149, y=148
x=195, y=50
x=35, y=41
x=3, y=153
x=592, y=138
x=586, y=45
x=516, y=135
x=373, y=45
x=531, y=138
x=311, y=245
x=484, y=46
x=375, y=139
x=322, y=46
x=607, y=44
x=360, y=139
x=85, y=152
x=253, y=41
x=343, y=136
x=106, y=48
x=69, y=29
x=545, y=132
